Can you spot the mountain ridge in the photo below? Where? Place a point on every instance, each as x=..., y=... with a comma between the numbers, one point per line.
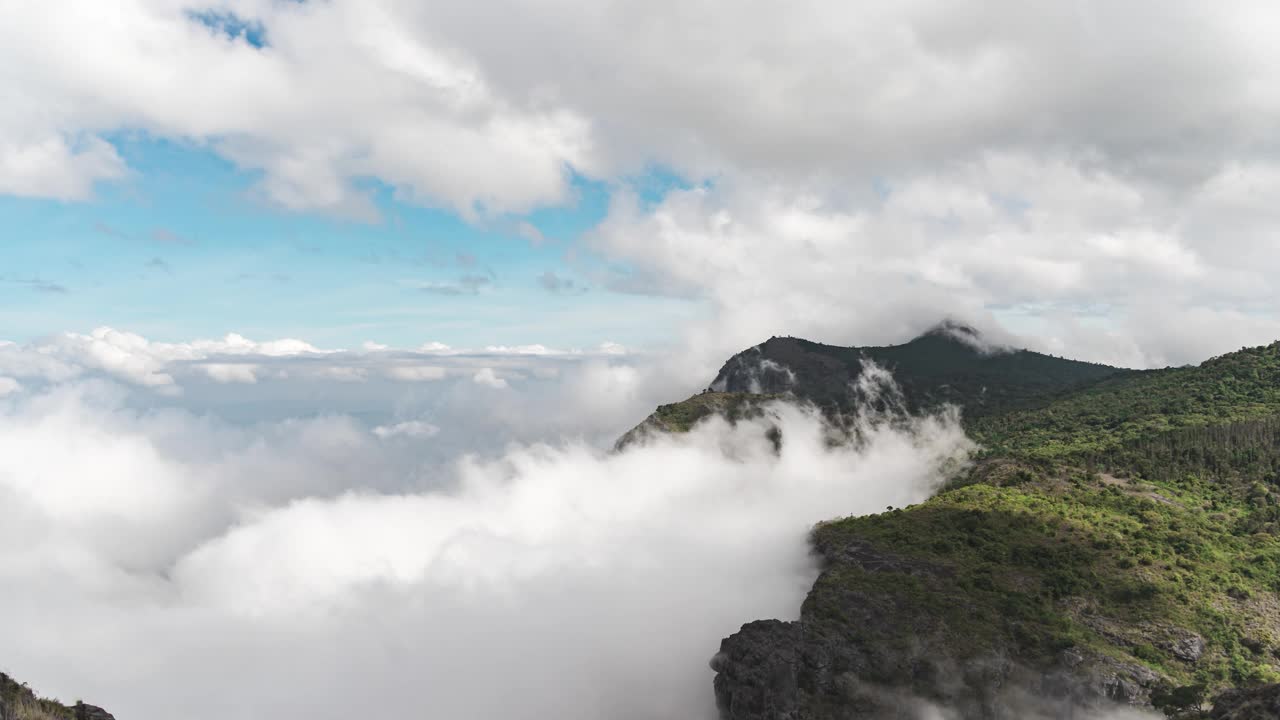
x=1114, y=542
x=948, y=364
x=945, y=364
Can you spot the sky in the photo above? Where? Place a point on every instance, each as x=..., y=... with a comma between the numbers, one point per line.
x=1078, y=176
x=274, y=272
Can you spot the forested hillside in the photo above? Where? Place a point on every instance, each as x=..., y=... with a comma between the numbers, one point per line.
x=1115, y=540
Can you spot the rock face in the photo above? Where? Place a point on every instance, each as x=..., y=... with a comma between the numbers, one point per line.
x=91, y=712
x=757, y=672
x=886, y=664
x=1189, y=648
x=1261, y=703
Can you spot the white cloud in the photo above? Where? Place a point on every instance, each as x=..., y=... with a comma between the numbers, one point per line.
x=217, y=553
x=486, y=376
x=408, y=428
x=9, y=386
x=1075, y=244
x=341, y=374
x=53, y=166
x=794, y=91
x=416, y=373
x=231, y=372
x=521, y=350
x=132, y=357
x=527, y=231
x=284, y=110
x=122, y=354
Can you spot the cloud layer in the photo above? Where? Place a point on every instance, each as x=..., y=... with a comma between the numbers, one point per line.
x=317, y=568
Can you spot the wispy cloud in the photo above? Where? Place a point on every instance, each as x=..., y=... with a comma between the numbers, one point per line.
x=36, y=284
x=165, y=236
x=464, y=285
x=553, y=283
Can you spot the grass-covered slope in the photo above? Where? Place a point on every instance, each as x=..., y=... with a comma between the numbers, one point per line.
x=680, y=417
x=18, y=702
x=1132, y=522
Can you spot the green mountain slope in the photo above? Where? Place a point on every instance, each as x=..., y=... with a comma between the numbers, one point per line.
x=1115, y=541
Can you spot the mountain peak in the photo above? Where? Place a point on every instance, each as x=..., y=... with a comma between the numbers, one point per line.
x=953, y=329
x=950, y=363
x=960, y=333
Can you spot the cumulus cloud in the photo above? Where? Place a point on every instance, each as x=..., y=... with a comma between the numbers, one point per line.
x=1023, y=165
x=133, y=358
x=282, y=109
x=320, y=573
x=417, y=373
x=487, y=377
x=1076, y=270
x=501, y=114
x=231, y=372
x=408, y=428
x=168, y=367
x=56, y=165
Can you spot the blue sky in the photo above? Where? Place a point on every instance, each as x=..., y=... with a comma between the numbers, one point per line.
x=183, y=248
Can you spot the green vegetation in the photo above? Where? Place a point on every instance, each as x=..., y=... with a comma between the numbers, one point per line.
x=18, y=702
x=681, y=416
x=1123, y=570
x=1134, y=407
x=1130, y=520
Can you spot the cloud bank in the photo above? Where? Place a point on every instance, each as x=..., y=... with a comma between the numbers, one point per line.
x=318, y=568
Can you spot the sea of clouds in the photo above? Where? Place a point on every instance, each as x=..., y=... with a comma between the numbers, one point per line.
x=185, y=543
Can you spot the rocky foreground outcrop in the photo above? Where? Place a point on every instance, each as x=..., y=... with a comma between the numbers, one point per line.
x=19, y=702
x=853, y=655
